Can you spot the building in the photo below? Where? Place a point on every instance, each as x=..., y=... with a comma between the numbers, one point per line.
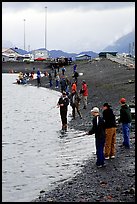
x=40, y=54
x=12, y=54
x=83, y=57
x=104, y=54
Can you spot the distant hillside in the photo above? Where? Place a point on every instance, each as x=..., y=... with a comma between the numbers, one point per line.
x=55, y=53
x=59, y=53
x=123, y=44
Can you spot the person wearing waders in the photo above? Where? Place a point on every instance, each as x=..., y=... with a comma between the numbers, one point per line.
x=63, y=103
x=38, y=78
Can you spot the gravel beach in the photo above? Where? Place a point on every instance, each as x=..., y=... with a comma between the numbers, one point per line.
x=107, y=82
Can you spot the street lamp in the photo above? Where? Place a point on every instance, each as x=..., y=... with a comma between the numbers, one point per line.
x=24, y=33
x=45, y=27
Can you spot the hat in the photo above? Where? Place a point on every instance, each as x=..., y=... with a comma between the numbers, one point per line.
x=95, y=109
x=106, y=104
x=122, y=100
x=84, y=81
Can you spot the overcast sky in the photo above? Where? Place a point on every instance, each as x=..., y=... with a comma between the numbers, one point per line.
x=67, y=26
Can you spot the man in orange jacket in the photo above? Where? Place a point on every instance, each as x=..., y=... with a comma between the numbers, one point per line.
x=84, y=92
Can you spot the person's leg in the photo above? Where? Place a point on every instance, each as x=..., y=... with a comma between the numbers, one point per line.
x=98, y=162
x=108, y=139
x=126, y=130
x=78, y=111
x=65, y=116
x=63, y=119
x=85, y=102
x=113, y=143
x=73, y=111
x=101, y=147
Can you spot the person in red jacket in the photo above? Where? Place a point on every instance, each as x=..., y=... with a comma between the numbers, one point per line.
x=84, y=92
x=73, y=87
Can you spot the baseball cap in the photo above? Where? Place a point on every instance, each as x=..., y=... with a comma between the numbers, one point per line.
x=122, y=100
x=95, y=109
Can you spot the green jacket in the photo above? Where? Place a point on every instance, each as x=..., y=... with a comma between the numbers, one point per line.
x=125, y=114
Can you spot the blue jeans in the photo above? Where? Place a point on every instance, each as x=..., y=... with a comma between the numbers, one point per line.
x=126, y=134
x=57, y=83
x=100, y=152
x=50, y=83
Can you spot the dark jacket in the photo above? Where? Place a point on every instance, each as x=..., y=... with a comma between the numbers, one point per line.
x=99, y=129
x=74, y=99
x=65, y=101
x=109, y=118
x=125, y=114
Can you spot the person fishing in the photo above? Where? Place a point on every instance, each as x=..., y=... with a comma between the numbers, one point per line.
x=98, y=128
x=63, y=103
x=75, y=103
x=84, y=92
x=38, y=78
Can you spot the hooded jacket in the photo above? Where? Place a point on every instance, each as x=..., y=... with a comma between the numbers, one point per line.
x=125, y=114
x=109, y=118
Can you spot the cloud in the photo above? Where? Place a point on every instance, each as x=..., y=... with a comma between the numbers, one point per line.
x=60, y=6
x=71, y=26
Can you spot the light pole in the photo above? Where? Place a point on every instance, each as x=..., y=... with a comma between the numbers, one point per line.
x=45, y=27
x=24, y=33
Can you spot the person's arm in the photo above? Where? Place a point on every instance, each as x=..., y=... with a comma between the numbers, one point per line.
x=92, y=130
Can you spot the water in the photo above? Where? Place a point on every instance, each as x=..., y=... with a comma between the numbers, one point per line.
x=35, y=156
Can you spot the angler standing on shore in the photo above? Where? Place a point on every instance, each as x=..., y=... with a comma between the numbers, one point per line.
x=75, y=103
x=63, y=104
x=110, y=130
x=38, y=78
x=125, y=119
x=98, y=129
x=84, y=92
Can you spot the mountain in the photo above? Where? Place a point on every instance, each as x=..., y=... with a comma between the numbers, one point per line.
x=59, y=53
x=125, y=44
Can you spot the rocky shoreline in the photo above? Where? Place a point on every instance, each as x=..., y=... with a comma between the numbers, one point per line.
x=107, y=82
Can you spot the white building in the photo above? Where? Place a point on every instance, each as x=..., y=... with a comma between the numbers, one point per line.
x=83, y=57
x=40, y=53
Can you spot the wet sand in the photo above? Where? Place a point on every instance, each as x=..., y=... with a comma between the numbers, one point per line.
x=107, y=82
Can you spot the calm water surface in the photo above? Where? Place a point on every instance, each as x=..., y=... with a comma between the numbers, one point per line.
x=35, y=156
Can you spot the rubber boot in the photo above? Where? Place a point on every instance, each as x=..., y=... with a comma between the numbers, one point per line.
x=65, y=128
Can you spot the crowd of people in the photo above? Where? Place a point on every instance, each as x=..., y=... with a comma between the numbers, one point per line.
x=24, y=77
x=103, y=126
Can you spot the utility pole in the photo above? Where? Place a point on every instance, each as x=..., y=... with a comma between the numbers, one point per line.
x=24, y=32
x=133, y=49
x=45, y=27
x=129, y=48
